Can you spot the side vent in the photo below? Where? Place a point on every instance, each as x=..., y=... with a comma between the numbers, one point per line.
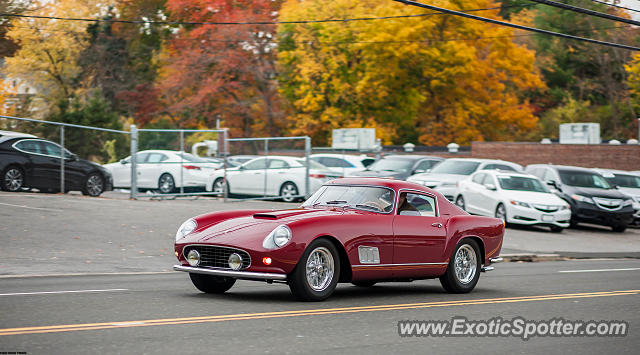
x=265, y=216
x=368, y=255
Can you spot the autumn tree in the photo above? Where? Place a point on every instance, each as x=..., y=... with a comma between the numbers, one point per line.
x=430, y=79
x=226, y=71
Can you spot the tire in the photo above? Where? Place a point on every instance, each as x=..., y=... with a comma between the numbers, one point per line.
x=166, y=184
x=12, y=179
x=218, y=187
x=556, y=229
x=364, y=283
x=573, y=223
x=212, y=284
x=312, y=282
x=501, y=212
x=466, y=279
x=93, y=185
x=460, y=202
x=287, y=191
x=619, y=228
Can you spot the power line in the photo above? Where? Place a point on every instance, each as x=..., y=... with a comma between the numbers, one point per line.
x=526, y=28
x=150, y=22
x=587, y=11
x=614, y=5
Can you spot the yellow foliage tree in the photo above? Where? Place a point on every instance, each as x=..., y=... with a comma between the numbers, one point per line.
x=432, y=79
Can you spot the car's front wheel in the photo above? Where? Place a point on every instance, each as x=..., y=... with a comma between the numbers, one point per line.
x=12, y=179
x=619, y=228
x=218, y=187
x=556, y=229
x=94, y=185
x=212, y=284
x=464, y=268
x=316, y=275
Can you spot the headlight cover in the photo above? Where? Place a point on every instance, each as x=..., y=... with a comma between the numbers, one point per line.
x=582, y=198
x=280, y=236
x=521, y=204
x=187, y=227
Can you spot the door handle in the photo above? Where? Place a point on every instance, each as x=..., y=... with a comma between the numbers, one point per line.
x=438, y=225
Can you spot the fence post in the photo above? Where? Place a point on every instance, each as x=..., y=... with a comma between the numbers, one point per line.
x=62, y=159
x=181, y=162
x=266, y=165
x=225, y=152
x=307, y=152
x=134, y=163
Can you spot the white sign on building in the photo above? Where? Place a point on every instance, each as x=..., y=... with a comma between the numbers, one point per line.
x=580, y=133
x=354, y=138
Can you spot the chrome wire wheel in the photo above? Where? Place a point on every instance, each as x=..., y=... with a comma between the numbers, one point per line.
x=13, y=179
x=319, y=269
x=465, y=264
x=95, y=185
x=166, y=184
x=501, y=212
x=288, y=191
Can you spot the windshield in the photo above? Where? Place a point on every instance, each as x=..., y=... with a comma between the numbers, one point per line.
x=630, y=181
x=521, y=183
x=583, y=179
x=370, y=198
x=458, y=167
x=391, y=164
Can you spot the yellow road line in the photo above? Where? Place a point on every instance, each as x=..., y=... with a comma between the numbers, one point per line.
x=308, y=312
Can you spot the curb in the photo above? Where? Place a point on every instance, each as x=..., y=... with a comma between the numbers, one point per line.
x=526, y=257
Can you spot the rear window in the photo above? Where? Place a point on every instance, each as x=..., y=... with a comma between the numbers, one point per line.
x=457, y=167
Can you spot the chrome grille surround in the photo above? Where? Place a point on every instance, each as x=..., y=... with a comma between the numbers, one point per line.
x=546, y=208
x=610, y=204
x=217, y=256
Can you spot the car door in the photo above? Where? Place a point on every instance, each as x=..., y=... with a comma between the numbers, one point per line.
x=279, y=171
x=36, y=173
x=472, y=193
x=419, y=234
x=249, y=178
x=487, y=198
x=151, y=167
x=74, y=174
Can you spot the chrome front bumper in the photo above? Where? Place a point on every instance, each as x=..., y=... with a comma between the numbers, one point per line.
x=244, y=275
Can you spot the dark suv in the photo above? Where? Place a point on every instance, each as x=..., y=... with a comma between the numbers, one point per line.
x=591, y=197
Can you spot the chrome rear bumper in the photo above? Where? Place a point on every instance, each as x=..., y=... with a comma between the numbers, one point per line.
x=491, y=261
x=244, y=275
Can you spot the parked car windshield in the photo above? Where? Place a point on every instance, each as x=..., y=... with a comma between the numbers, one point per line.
x=630, y=181
x=583, y=179
x=370, y=198
x=392, y=164
x=457, y=167
x=521, y=183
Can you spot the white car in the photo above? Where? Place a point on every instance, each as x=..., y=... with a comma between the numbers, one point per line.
x=445, y=176
x=514, y=197
x=345, y=164
x=628, y=183
x=162, y=170
x=270, y=176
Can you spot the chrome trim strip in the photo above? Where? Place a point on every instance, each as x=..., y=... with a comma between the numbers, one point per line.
x=496, y=260
x=246, y=275
x=410, y=264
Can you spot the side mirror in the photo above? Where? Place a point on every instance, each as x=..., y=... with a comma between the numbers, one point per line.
x=124, y=161
x=491, y=187
x=428, y=171
x=241, y=167
x=554, y=185
x=72, y=157
x=419, y=171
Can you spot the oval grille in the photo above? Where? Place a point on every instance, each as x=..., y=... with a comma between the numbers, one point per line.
x=217, y=256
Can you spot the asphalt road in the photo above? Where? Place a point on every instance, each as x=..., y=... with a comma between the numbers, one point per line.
x=60, y=234
x=164, y=314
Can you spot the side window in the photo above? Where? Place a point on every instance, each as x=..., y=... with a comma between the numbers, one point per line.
x=488, y=179
x=256, y=164
x=278, y=164
x=478, y=178
x=335, y=163
x=549, y=175
x=424, y=165
x=416, y=205
x=30, y=146
x=53, y=149
x=489, y=167
x=156, y=158
x=503, y=167
x=368, y=161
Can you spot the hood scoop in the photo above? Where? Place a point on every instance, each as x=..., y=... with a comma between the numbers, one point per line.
x=281, y=214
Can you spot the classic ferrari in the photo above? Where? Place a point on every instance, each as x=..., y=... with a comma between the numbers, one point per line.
x=357, y=230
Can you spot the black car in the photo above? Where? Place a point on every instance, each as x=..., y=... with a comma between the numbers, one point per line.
x=400, y=166
x=28, y=161
x=591, y=197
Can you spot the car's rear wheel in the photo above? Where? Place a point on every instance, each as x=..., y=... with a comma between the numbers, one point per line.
x=364, y=283
x=464, y=268
x=619, y=228
x=501, y=212
x=12, y=179
x=289, y=192
x=317, y=273
x=211, y=284
x=166, y=184
x=460, y=202
x=94, y=185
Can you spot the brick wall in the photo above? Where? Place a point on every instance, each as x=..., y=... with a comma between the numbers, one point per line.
x=622, y=157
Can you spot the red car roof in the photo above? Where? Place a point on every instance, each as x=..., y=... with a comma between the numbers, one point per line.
x=386, y=182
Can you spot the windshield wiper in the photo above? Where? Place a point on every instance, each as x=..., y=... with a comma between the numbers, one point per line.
x=336, y=202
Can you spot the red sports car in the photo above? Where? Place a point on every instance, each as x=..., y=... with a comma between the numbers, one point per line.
x=357, y=230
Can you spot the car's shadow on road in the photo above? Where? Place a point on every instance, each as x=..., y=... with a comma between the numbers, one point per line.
x=581, y=227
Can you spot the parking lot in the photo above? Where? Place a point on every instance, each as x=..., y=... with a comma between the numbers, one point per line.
x=84, y=274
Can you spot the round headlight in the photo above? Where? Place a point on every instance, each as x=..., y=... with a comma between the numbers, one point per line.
x=186, y=228
x=277, y=238
x=235, y=261
x=193, y=258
